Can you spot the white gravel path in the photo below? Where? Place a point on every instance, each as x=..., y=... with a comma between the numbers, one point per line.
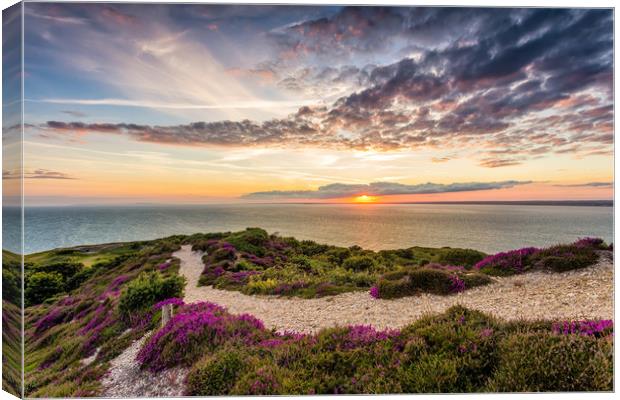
x=585, y=293
x=126, y=379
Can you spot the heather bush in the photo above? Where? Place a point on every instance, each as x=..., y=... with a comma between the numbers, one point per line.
x=550, y=362
x=215, y=374
x=195, y=329
x=440, y=280
x=562, y=258
x=507, y=263
x=147, y=289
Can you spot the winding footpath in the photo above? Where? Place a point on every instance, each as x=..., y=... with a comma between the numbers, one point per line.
x=579, y=294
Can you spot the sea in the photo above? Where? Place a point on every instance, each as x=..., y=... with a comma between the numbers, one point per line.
x=489, y=228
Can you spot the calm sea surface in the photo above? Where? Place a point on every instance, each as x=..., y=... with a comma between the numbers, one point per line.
x=489, y=228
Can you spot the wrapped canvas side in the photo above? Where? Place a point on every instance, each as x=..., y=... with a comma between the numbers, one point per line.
x=12, y=211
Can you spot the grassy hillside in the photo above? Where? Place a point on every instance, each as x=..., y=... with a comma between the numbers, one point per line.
x=11, y=323
x=99, y=299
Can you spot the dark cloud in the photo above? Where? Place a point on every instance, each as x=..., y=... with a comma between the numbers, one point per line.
x=337, y=190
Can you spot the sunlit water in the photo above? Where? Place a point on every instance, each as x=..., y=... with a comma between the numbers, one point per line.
x=489, y=228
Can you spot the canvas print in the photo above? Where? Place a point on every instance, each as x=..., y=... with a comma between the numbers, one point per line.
x=221, y=200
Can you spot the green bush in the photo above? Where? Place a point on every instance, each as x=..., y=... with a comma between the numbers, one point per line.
x=252, y=240
x=564, y=258
x=337, y=255
x=76, y=280
x=475, y=279
x=549, y=362
x=42, y=285
x=359, y=263
x=430, y=281
x=409, y=282
x=215, y=374
x=66, y=269
x=393, y=289
x=147, y=289
x=11, y=280
x=463, y=257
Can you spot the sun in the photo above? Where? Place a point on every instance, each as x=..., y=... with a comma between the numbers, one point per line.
x=364, y=199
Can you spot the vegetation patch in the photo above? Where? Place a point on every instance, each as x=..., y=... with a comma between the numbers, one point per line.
x=559, y=258
x=457, y=351
x=254, y=262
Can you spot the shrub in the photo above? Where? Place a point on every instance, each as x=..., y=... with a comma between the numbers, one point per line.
x=507, y=263
x=392, y=289
x=216, y=374
x=586, y=328
x=431, y=281
x=472, y=280
x=337, y=255
x=465, y=257
x=252, y=240
x=42, y=285
x=359, y=263
x=550, y=362
x=426, y=280
x=258, y=286
x=197, y=328
x=76, y=280
x=66, y=269
x=565, y=258
x=147, y=289
x=594, y=243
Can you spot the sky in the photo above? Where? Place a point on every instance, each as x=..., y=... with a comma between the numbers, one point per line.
x=208, y=104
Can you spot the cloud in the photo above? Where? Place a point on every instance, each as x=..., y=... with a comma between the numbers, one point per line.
x=74, y=113
x=589, y=184
x=254, y=104
x=500, y=86
x=35, y=174
x=338, y=190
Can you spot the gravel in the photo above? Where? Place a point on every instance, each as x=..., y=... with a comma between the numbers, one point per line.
x=578, y=294
x=126, y=379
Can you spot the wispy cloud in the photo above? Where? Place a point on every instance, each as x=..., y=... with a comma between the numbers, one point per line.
x=589, y=184
x=254, y=104
x=339, y=190
x=35, y=174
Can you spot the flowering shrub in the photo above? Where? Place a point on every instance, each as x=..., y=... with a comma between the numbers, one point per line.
x=174, y=301
x=585, y=327
x=458, y=285
x=507, y=263
x=595, y=243
x=164, y=266
x=374, y=292
x=562, y=258
x=195, y=329
x=55, y=316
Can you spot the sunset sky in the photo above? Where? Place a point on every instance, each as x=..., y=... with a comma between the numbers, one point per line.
x=198, y=103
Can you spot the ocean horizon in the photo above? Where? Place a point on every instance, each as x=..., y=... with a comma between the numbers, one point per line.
x=489, y=227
